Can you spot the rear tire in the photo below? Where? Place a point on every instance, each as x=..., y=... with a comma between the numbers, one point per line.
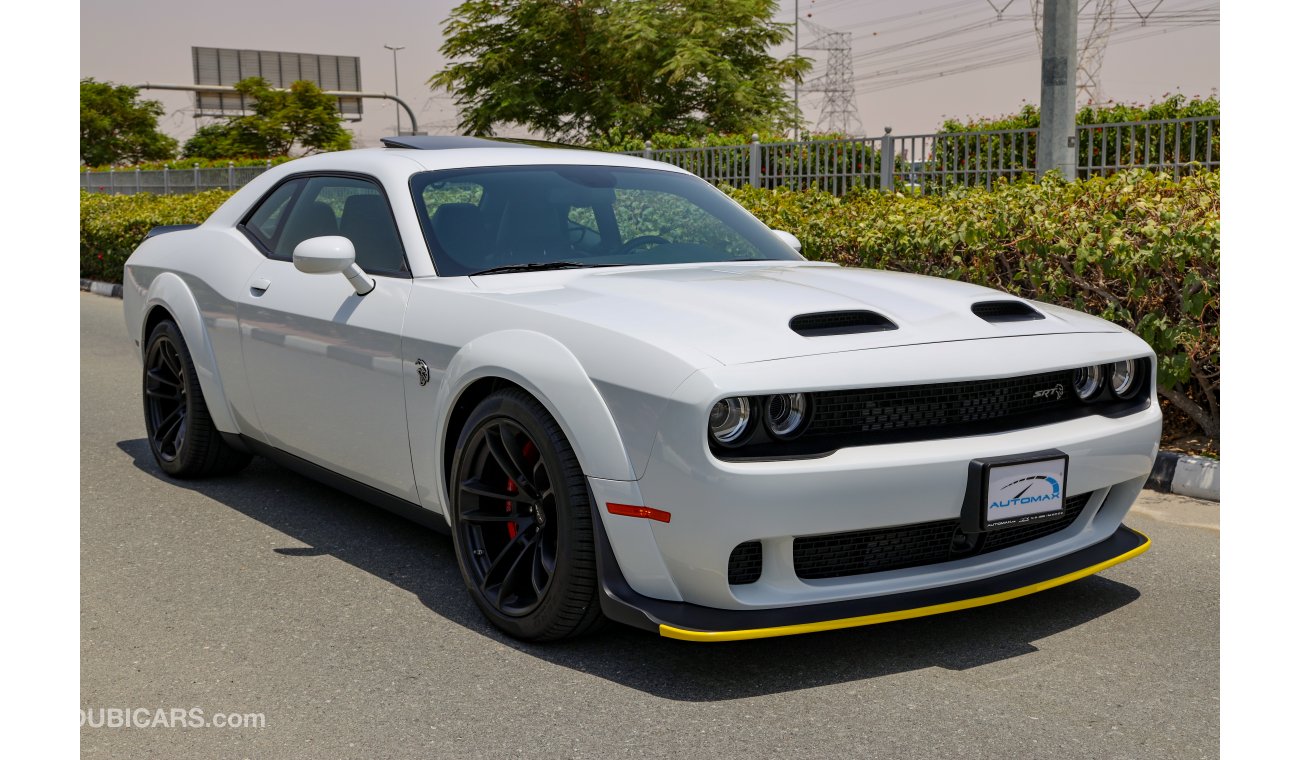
x=521, y=521
x=182, y=438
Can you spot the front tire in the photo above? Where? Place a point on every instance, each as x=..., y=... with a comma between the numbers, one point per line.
x=184, y=442
x=521, y=521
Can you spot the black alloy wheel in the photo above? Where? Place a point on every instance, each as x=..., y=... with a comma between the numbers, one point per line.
x=184, y=442
x=522, y=521
x=165, y=398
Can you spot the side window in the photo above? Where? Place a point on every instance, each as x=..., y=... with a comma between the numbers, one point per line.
x=351, y=207
x=265, y=219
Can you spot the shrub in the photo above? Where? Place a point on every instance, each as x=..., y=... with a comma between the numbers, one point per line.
x=1139, y=249
x=113, y=225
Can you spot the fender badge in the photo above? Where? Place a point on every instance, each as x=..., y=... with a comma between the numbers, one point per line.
x=422, y=370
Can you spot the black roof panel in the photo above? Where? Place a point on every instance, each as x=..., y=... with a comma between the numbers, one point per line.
x=456, y=142
x=445, y=142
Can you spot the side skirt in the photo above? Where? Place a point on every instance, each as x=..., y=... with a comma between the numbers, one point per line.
x=398, y=506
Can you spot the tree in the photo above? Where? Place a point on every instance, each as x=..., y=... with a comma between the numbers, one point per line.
x=119, y=128
x=301, y=118
x=582, y=69
x=218, y=140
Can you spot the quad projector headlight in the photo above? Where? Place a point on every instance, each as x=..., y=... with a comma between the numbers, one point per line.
x=1125, y=379
x=1088, y=382
x=786, y=413
x=741, y=420
x=729, y=420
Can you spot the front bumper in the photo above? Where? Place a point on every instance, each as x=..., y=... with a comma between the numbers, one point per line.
x=716, y=505
x=691, y=622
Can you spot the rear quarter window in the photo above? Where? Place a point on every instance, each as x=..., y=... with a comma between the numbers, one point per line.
x=265, y=220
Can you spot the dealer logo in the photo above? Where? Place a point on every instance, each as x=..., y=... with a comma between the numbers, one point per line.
x=1035, y=489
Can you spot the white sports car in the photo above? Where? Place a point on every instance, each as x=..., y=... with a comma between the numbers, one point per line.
x=627, y=399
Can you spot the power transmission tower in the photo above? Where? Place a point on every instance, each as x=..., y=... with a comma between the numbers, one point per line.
x=1096, y=21
x=839, y=109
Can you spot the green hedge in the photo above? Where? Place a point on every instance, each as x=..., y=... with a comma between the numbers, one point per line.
x=113, y=225
x=1139, y=249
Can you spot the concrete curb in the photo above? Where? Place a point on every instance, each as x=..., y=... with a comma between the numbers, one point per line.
x=102, y=288
x=1185, y=475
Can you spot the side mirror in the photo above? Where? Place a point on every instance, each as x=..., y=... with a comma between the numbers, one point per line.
x=789, y=240
x=332, y=254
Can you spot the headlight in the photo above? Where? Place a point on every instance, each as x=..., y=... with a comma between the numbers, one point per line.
x=1124, y=378
x=729, y=419
x=786, y=414
x=1087, y=382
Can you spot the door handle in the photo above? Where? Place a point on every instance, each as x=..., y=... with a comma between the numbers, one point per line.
x=258, y=287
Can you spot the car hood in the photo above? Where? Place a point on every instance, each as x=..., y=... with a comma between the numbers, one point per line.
x=740, y=313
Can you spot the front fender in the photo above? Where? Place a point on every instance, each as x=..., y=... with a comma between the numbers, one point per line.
x=170, y=292
x=546, y=369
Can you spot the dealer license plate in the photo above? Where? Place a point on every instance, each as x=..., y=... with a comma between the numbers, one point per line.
x=1024, y=492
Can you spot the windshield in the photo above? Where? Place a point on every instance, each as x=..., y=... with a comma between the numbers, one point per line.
x=515, y=217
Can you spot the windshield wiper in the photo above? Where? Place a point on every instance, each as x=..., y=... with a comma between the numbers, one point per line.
x=539, y=266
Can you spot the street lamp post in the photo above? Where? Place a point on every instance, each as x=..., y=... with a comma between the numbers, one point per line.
x=395, y=92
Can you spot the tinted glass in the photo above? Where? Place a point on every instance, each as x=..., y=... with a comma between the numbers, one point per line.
x=265, y=219
x=477, y=219
x=347, y=206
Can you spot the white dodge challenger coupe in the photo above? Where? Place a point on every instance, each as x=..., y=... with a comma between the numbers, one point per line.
x=627, y=399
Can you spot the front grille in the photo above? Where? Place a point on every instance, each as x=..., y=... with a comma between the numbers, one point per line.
x=931, y=412
x=937, y=405
x=835, y=555
x=746, y=563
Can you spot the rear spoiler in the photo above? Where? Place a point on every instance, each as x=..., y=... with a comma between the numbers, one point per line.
x=165, y=228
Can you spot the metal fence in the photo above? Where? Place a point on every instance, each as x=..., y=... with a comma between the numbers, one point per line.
x=922, y=163
x=926, y=163
x=169, y=181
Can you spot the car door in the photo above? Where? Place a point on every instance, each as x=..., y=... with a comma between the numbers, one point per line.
x=324, y=364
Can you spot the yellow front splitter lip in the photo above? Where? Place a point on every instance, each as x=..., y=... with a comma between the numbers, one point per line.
x=684, y=634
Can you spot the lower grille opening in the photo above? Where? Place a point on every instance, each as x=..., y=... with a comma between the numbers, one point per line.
x=836, y=555
x=746, y=563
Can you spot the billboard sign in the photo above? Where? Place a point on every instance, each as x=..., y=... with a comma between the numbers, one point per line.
x=225, y=66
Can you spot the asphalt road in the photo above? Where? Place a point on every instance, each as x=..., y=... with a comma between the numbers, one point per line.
x=349, y=630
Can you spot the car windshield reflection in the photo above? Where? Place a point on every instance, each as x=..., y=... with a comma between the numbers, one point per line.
x=528, y=218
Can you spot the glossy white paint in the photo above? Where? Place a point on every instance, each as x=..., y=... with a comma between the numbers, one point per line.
x=328, y=254
x=628, y=361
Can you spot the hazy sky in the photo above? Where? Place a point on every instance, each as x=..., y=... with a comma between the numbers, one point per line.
x=135, y=41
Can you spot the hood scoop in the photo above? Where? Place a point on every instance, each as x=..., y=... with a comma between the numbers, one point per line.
x=1005, y=311
x=827, y=323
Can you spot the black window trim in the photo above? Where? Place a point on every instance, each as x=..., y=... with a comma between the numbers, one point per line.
x=293, y=202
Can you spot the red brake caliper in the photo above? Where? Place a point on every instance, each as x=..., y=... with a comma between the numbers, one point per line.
x=530, y=456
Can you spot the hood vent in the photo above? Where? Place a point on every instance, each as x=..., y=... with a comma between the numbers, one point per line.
x=1005, y=311
x=840, y=323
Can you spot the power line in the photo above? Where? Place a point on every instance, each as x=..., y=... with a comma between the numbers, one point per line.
x=920, y=59
x=1020, y=55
